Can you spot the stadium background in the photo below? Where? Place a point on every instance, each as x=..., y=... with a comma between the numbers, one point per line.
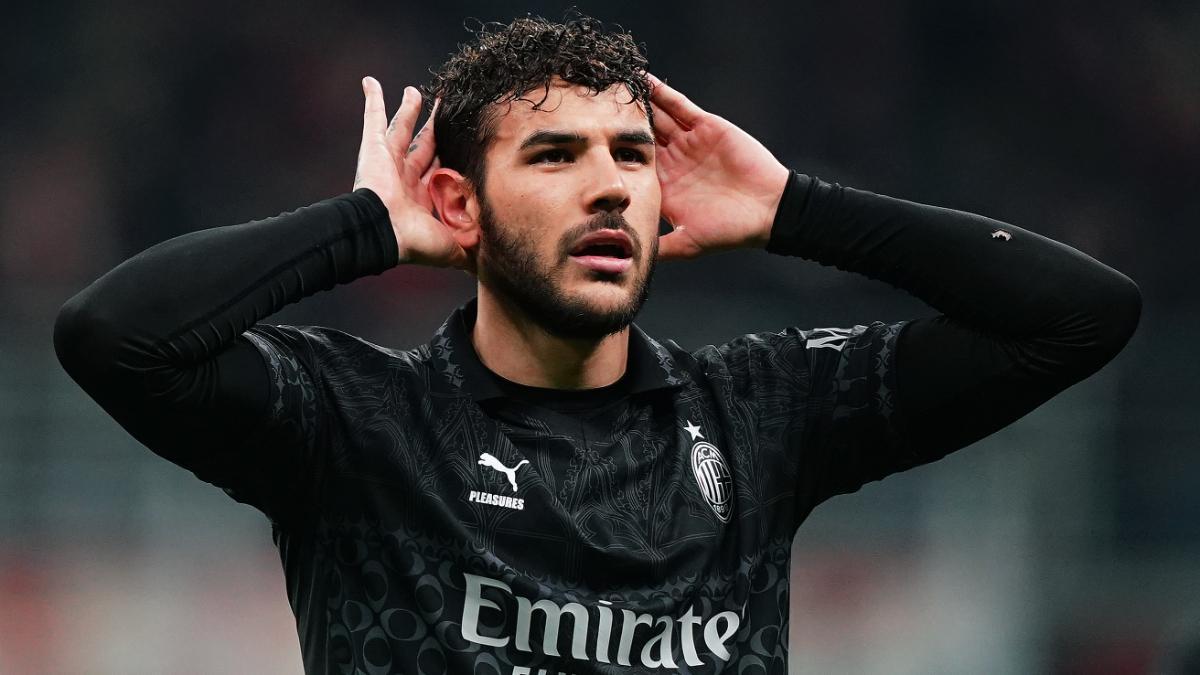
x=1068, y=543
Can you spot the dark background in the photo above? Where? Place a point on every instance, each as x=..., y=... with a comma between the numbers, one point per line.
x=1068, y=543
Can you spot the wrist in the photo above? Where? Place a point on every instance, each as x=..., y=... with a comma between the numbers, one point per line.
x=401, y=258
x=772, y=198
x=377, y=213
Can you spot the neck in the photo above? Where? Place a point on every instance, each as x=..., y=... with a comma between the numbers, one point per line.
x=518, y=350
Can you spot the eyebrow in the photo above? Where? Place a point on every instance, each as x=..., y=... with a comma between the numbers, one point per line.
x=553, y=137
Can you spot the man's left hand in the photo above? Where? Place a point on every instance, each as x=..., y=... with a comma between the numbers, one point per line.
x=720, y=186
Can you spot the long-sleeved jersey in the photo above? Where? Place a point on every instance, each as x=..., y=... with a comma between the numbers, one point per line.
x=432, y=517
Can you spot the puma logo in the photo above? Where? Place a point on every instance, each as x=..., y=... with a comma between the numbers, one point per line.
x=488, y=460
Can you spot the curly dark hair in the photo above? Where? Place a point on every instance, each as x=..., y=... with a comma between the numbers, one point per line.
x=506, y=62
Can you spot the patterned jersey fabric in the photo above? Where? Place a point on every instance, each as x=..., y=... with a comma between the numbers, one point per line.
x=440, y=527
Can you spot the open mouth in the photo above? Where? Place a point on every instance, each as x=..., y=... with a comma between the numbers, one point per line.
x=608, y=251
x=602, y=250
x=605, y=244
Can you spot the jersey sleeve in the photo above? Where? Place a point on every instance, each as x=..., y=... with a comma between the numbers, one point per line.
x=283, y=462
x=169, y=344
x=851, y=433
x=1022, y=317
x=826, y=401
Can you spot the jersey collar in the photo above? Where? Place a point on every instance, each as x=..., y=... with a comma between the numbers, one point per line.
x=651, y=366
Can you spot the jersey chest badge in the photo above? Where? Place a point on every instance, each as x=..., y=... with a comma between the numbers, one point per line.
x=712, y=474
x=510, y=474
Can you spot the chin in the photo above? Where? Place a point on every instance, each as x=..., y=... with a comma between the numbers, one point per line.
x=592, y=314
x=601, y=290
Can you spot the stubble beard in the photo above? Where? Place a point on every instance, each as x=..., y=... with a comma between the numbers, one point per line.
x=510, y=267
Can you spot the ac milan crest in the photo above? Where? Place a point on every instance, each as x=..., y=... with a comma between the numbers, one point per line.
x=713, y=478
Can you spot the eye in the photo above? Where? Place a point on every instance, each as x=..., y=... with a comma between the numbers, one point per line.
x=630, y=155
x=551, y=156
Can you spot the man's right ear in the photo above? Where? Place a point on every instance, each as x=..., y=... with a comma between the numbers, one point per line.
x=454, y=199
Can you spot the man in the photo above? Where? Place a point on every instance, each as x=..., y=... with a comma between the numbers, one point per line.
x=543, y=487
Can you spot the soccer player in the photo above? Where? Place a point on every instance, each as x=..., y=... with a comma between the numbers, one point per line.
x=543, y=487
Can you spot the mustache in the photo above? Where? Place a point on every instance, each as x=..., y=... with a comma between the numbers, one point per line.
x=607, y=220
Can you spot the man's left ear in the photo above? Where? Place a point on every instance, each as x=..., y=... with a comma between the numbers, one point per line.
x=453, y=196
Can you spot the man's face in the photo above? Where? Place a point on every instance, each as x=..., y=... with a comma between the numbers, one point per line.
x=569, y=211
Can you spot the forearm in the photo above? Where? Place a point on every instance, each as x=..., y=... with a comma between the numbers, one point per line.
x=159, y=332
x=1023, y=316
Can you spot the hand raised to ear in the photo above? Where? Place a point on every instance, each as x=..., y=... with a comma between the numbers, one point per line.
x=720, y=186
x=396, y=167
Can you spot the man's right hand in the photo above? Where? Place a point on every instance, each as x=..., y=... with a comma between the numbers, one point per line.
x=396, y=167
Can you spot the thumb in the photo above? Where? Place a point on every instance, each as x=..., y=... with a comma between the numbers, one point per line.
x=677, y=245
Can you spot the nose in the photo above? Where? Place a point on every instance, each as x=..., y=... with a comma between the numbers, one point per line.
x=608, y=191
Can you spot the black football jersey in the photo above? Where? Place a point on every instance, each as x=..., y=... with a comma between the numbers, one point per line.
x=435, y=525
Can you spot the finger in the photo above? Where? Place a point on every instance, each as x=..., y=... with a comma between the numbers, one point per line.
x=399, y=133
x=433, y=166
x=676, y=104
x=665, y=126
x=395, y=122
x=674, y=245
x=374, y=117
x=421, y=152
